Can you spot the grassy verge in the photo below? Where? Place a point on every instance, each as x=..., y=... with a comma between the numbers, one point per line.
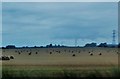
x=55, y=73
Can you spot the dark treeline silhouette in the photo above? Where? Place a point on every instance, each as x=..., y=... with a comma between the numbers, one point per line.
x=119, y=45
x=10, y=47
x=91, y=45
x=55, y=45
x=61, y=46
x=101, y=45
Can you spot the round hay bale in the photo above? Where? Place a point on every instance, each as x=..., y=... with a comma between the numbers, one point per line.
x=100, y=53
x=19, y=53
x=11, y=57
x=0, y=58
x=36, y=52
x=29, y=53
x=16, y=51
x=91, y=54
x=5, y=58
x=72, y=51
x=73, y=55
x=58, y=51
x=50, y=52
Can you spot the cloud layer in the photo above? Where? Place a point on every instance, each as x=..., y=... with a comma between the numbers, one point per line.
x=60, y=0
x=43, y=23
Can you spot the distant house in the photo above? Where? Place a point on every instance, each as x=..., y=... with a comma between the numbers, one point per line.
x=91, y=45
x=10, y=47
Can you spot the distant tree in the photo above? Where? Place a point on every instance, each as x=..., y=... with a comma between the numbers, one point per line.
x=41, y=46
x=35, y=46
x=23, y=47
x=119, y=45
x=3, y=47
x=103, y=45
x=58, y=45
x=47, y=45
x=55, y=45
x=91, y=45
x=10, y=47
x=50, y=45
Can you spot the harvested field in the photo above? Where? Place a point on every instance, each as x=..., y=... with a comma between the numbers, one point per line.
x=61, y=59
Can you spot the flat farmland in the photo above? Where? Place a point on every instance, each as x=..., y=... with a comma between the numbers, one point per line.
x=63, y=56
x=56, y=60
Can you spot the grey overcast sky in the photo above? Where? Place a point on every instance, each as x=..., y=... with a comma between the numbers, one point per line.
x=60, y=0
x=41, y=23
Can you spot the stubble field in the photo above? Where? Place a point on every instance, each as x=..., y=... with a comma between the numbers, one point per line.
x=60, y=62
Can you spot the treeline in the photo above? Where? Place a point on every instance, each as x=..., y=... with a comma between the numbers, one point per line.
x=101, y=45
x=58, y=46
